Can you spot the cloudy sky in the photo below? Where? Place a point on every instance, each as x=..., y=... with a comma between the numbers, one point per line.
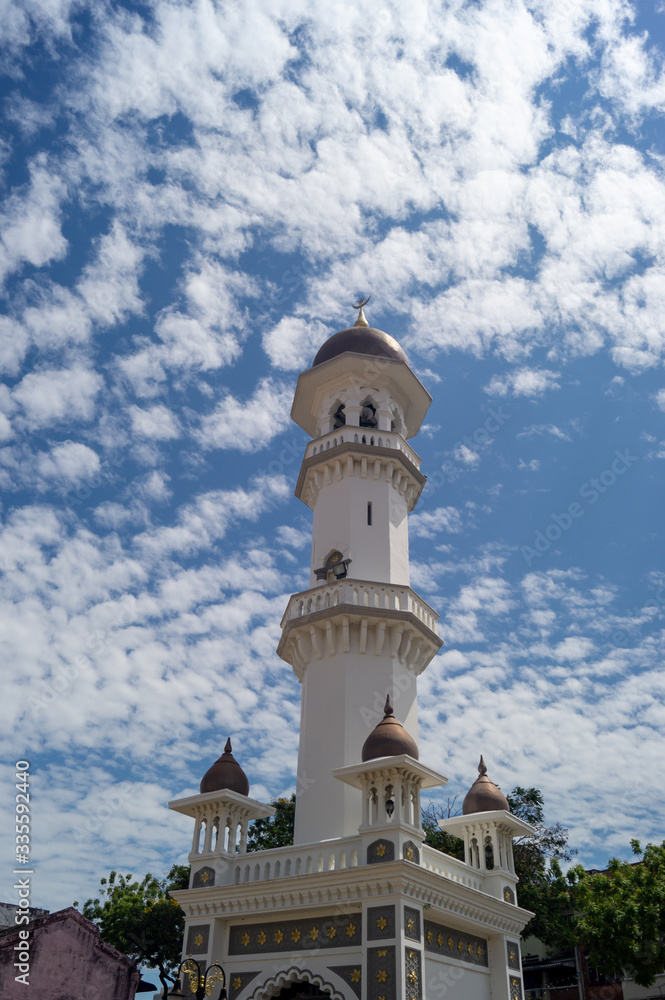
x=194, y=194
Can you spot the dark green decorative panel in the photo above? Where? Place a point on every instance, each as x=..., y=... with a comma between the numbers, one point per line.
x=381, y=978
x=238, y=981
x=380, y=850
x=411, y=852
x=412, y=923
x=412, y=974
x=342, y=930
x=515, y=988
x=513, y=955
x=351, y=974
x=197, y=939
x=443, y=940
x=203, y=878
x=508, y=895
x=380, y=923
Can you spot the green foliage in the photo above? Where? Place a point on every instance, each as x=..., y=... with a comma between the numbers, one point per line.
x=141, y=919
x=542, y=887
x=274, y=831
x=436, y=837
x=620, y=914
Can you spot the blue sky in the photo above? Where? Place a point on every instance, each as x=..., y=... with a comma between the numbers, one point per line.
x=193, y=196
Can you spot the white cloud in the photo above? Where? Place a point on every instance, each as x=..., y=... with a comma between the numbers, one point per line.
x=13, y=345
x=292, y=343
x=109, y=286
x=660, y=399
x=429, y=523
x=537, y=430
x=157, y=423
x=466, y=455
x=523, y=382
x=70, y=461
x=30, y=223
x=248, y=426
x=55, y=395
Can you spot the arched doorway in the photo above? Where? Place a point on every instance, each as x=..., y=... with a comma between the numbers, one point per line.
x=303, y=990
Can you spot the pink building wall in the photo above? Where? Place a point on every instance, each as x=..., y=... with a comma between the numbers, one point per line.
x=68, y=961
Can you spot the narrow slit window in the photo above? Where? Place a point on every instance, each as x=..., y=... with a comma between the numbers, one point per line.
x=369, y=512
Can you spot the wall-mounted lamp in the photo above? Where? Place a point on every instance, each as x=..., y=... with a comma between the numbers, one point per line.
x=335, y=565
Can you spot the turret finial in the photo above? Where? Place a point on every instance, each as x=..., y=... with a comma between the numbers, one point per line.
x=482, y=766
x=388, y=707
x=228, y=748
x=361, y=321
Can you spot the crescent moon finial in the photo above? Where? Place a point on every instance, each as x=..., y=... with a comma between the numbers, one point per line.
x=361, y=321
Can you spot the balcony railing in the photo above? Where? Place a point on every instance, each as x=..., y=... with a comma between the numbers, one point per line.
x=360, y=594
x=362, y=435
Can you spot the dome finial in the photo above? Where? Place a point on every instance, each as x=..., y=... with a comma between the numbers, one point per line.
x=228, y=748
x=388, y=707
x=361, y=321
x=484, y=795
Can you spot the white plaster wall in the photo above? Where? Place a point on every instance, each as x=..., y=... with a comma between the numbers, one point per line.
x=455, y=982
x=380, y=551
x=632, y=991
x=342, y=701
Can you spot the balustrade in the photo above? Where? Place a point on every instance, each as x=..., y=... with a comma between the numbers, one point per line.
x=361, y=594
x=285, y=862
x=449, y=867
x=361, y=435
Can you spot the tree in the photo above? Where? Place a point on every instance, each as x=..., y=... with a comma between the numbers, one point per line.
x=436, y=837
x=141, y=919
x=542, y=886
x=274, y=831
x=620, y=914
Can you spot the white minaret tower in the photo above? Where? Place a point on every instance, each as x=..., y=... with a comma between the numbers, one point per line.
x=360, y=631
x=358, y=907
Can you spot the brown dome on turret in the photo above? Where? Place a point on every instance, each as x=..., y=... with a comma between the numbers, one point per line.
x=389, y=738
x=484, y=795
x=360, y=340
x=225, y=773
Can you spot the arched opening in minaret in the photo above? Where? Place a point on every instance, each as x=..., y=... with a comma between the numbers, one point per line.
x=368, y=414
x=338, y=415
x=396, y=422
x=489, y=854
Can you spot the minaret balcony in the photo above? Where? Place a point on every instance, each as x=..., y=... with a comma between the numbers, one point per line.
x=362, y=453
x=372, y=616
x=362, y=435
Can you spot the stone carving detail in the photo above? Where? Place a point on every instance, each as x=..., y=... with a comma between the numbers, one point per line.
x=351, y=974
x=380, y=850
x=380, y=923
x=457, y=944
x=337, y=931
x=203, y=878
x=381, y=979
x=197, y=939
x=410, y=852
x=238, y=981
x=412, y=974
x=513, y=955
x=412, y=923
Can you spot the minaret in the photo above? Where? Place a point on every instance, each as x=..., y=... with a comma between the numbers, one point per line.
x=359, y=907
x=359, y=631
